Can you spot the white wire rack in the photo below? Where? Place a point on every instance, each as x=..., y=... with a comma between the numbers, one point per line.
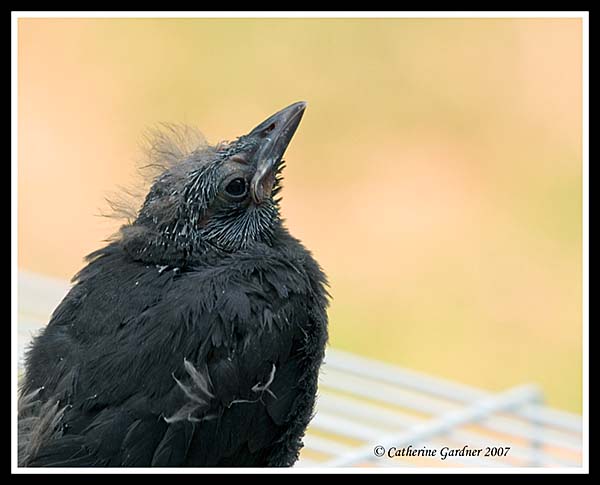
x=366, y=406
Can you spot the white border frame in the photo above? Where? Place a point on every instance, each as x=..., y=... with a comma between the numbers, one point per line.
x=15, y=16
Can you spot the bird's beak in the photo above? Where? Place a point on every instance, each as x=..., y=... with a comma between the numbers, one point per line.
x=274, y=135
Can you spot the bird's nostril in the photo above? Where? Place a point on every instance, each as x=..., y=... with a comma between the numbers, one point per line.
x=268, y=130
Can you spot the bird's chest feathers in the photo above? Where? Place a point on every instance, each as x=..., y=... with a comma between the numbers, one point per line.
x=247, y=304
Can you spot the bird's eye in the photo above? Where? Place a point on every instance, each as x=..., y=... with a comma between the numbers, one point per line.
x=237, y=188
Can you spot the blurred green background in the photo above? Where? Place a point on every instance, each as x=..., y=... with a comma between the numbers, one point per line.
x=436, y=175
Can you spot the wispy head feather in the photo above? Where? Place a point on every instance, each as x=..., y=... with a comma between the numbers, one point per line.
x=162, y=148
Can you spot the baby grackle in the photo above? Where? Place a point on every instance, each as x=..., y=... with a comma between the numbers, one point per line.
x=195, y=337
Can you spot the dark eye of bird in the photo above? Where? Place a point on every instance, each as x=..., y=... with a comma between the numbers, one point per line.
x=237, y=188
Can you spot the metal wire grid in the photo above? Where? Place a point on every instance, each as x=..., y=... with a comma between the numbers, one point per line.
x=364, y=403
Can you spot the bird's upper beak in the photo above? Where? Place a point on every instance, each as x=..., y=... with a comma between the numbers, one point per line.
x=274, y=135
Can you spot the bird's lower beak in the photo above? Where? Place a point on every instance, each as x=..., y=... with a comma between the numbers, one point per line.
x=274, y=134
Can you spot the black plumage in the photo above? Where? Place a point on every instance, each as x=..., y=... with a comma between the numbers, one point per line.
x=195, y=337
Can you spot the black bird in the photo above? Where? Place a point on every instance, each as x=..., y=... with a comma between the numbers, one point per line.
x=193, y=338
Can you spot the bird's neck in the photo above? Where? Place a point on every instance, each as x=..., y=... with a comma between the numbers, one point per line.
x=146, y=246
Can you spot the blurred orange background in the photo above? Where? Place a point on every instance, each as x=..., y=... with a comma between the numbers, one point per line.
x=436, y=175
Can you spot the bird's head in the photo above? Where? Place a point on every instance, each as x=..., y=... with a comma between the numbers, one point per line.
x=221, y=198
